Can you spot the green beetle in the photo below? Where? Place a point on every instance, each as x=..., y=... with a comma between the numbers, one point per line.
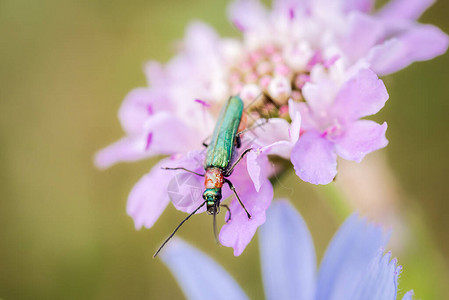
x=220, y=153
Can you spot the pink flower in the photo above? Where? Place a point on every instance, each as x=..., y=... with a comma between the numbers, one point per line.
x=330, y=125
x=308, y=66
x=334, y=127
x=388, y=40
x=328, y=54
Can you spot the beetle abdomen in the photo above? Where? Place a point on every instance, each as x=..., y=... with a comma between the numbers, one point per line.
x=221, y=147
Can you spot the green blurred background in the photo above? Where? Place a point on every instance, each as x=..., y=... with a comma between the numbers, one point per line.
x=65, y=67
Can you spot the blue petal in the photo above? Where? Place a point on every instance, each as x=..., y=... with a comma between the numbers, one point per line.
x=199, y=276
x=287, y=254
x=408, y=296
x=380, y=279
x=347, y=257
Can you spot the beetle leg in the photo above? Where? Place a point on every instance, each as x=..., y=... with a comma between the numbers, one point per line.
x=214, y=221
x=265, y=121
x=176, y=229
x=237, y=196
x=229, y=172
x=204, y=142
x=181, y=168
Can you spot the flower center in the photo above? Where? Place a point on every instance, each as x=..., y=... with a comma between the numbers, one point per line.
x=269, y=76
x=333, y=132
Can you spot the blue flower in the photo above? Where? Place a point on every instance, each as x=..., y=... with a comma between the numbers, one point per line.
x=353, y=267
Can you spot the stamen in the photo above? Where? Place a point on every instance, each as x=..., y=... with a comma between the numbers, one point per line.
x=238, y=25
x=149, y=139
x=291, y=13
x=316, y=58
x=202, y=102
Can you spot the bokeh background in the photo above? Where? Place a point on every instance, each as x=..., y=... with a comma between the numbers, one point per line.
x=66, y=65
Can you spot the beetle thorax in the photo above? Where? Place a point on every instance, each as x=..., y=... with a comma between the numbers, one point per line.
x=213, y=179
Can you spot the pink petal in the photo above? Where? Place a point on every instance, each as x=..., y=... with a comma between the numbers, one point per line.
x=127, y=149
x=257, y=167
x=363, y=95
x=153, y=191
x=361, y=138
x=319, y=96
x=185, y=189
x=238, y=232
x=248, y=15
x=200, y=39
x=273, y=137
x=156, y=74
x=423, y=42
x=404, y=9
x=360, y=5
x=170, y=134
x=314, y=159
x=280, y=148
x=275, y=129
x=364, y=32
x=135, y=110
x=138, y=106
x=164, y=134
x=289, y=8
x=149, y=197
x=295, y=126
x=384, y=58
x=254, y=169
x=308, y=121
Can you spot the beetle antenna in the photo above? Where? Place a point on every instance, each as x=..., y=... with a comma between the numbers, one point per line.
x=214, y=223
x=176, y=229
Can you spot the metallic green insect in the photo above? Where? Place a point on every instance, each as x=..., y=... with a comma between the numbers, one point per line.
x=220, y=153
